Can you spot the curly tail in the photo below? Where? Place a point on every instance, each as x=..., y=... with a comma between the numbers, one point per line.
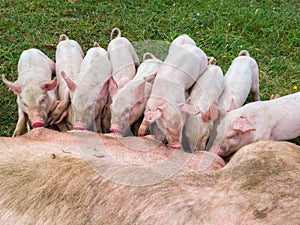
x=113, y=31
x=211, y=60
x=63, y=37
x=244, y=52
x=96, y=44
x=148, y=54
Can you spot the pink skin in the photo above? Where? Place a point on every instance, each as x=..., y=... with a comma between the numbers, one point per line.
x=240, y=78
x=260, y=184
x=79, y=126
x=128, y=104
x=87, y=108
x=181, y=68
x=34, y=89
x=261, y=120
x=69, y=56
x=37, y=124
x=201, y=107
x=115, y=128
x=123, y=58
x=37, y=120
x=175, y=144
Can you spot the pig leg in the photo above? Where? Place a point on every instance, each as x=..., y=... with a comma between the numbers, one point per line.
x=65, y=121
x=135, y=126
x=21, y=124
x=69, y=118
x=62, y=126
x=52, y=66
x=64, y=101
x=255, y=87
x=62, y=106
x=106, y=122
x=144, y=128
x=274, y=96
x=106, y=116
x=98, y=123
x=58, y=114
x=255, y=95
x=134, y=57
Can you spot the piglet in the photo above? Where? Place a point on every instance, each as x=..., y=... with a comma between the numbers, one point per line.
x=129, y=102
x=123, y=58
x=201, y=107
x=34, y=89
x=182, y=39
x=277, y=119
x=180, y=70
x=241, y=77
x=69, y=56
x=89, y=94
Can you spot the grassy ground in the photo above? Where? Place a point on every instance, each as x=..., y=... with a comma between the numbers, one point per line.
x=269, y=30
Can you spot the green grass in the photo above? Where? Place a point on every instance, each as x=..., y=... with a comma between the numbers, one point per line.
x=269, y=30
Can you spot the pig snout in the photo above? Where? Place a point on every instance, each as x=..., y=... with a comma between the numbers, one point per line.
x=115, y=128
x=38, y=123
x=79, y=126
x=217, y=150
x=37, y=120
x=175, y=144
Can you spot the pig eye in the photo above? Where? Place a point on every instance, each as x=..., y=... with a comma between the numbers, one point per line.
x=158, y=109
x=25, y=105
x=42, y=101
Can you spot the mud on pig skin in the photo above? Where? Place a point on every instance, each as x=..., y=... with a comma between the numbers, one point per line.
x=277, y=119
x=258, y=186
x=34, y=89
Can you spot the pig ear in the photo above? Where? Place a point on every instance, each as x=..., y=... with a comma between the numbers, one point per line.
x=150, y=78
x=49, y=86
x=12, y=86
x=105, y=88
x=232, y=105
x=187, y=108
x=113, y=86
x=140, y=91
x=211, y=114
x=71, y=84
x=151, y=116
x=244, y=125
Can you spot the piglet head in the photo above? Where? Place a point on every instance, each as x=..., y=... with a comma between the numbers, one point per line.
x=38, y=109
x=36, y=101
x=233, y=135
